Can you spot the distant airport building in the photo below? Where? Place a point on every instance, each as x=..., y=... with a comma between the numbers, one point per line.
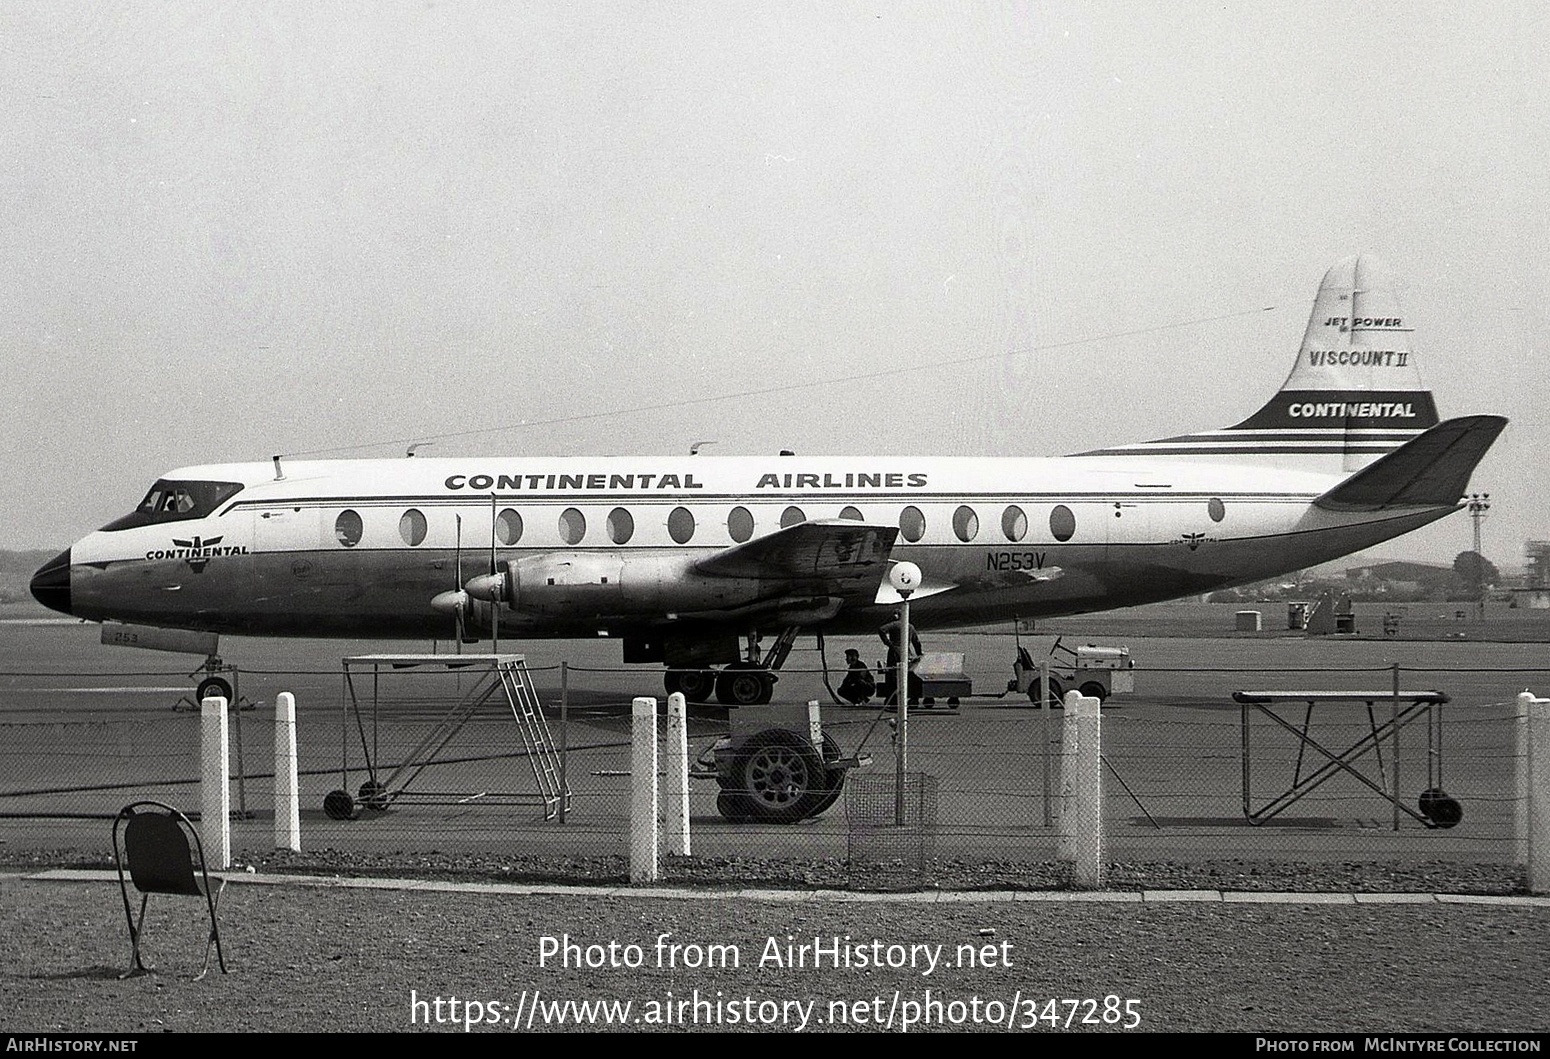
x=1535, y=593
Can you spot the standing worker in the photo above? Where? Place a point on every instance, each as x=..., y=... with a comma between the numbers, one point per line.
x=889, y=634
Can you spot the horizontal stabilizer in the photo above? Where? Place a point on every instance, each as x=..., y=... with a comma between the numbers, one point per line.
x=1430, y=471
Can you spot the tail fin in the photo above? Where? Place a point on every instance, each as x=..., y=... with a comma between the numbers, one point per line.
x=1354, y=394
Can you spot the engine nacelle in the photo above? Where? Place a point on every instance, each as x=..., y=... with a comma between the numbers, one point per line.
x=600, y=585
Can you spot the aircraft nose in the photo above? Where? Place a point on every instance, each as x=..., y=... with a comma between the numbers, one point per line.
x=51, y=584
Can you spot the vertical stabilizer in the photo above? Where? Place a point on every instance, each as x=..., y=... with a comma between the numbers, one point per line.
x=1354, y=394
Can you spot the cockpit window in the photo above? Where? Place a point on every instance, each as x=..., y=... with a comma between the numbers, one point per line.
x=170, y=501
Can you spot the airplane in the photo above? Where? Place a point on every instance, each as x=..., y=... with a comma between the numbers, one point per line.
x=692, y=561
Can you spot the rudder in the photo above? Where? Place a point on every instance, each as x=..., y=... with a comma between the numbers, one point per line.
x=1354, y=394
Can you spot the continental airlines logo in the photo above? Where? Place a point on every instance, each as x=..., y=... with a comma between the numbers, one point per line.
x=854, y=480
x=196, y=551
x=552, y=482
x=1351, y=410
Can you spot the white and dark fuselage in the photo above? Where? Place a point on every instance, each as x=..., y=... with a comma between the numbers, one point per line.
x=684, y=557
x=361, y=548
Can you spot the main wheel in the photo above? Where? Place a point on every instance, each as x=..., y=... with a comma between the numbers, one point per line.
x=744, y=686
x=697, y=685
x=780, y=775
x=213, y=688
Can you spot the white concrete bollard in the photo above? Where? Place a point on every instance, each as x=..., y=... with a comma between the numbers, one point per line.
x=215, y=783
x=1534, y=790
x=675, y=795
x=645, y=864
x=287, y=784
x=1081, y=815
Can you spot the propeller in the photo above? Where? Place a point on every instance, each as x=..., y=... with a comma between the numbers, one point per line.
x=495, y=604
x=456, y=601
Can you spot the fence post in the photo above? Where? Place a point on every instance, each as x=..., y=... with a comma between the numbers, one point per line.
x=1534, y=788
x=215, y=782
x=1081, y=817
x=644, y=865
x=675, y=799
x=287, y=787
x=1044, y=723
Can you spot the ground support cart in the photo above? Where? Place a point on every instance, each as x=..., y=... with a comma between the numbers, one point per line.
x=1437, y=808
x=483, y=681
x=934, y=675
x=1096, y=672
x=778, y=766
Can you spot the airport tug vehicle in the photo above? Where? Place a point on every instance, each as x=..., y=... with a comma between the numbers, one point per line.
x=1097, y=672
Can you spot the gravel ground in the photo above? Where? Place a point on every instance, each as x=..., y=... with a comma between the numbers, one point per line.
x=311, y=958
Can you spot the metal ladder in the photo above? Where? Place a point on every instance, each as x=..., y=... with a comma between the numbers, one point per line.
x=529, y=715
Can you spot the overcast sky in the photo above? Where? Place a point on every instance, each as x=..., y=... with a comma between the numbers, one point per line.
x=231, y=230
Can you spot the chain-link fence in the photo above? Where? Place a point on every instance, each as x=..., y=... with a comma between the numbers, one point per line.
x=1195, y=786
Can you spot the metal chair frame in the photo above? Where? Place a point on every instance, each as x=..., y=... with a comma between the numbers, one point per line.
x=161, y=861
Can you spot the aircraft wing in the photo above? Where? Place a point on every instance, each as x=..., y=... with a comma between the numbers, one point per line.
x=834, y=557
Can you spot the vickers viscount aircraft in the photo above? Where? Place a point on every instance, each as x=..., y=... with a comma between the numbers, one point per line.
x=693, y=562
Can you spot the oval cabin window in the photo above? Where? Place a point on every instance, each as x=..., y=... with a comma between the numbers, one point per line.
x=621, y=526
x=1014, y=523
x=851, y=513
x=508, y=527
x=573, y=526
x=348, y=528
x=680, y=525
x=740, y=524
x=912, y=524
x=411, y=527
x=966, y=524
x=791, y=516
x=1216, y=509
x=1062, y=523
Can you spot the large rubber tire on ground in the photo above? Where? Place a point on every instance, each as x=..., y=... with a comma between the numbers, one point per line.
x=780, y=776
x=697, y=685
x=213, y=688
x=744, y=686
x=734, y=806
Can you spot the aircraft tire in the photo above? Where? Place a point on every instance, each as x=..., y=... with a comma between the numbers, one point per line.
x=780, y=776
x=744, y=686
x=213, y=687
x=697, y=685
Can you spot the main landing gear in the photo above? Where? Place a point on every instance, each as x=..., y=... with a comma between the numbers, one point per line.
x=750, y=682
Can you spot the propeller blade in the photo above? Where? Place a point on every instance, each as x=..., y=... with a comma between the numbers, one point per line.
x=495, y=604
